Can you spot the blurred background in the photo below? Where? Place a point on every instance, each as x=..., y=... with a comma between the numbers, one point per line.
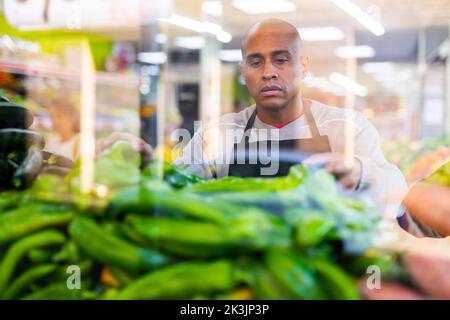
x=88, y=68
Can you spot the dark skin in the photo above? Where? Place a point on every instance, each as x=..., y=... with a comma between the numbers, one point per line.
x=273, y=70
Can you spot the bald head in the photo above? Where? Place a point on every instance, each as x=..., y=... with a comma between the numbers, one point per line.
x=271, y=27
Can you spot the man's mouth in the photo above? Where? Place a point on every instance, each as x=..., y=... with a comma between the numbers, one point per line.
x=270, y=90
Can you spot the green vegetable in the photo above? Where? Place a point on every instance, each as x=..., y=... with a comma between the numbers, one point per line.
x=295, y=274
x=21, y=247
x=312, y=227
x=111, y=250
x=9, y=200
x=21, y=283
x=158, y=198
x=335, y=280
x=173, y=175
x=230, y=184
x=29, y=218
x=56, y=291
x=203, y=239
x=39, y=255
x=118, y=166
x=182, y=281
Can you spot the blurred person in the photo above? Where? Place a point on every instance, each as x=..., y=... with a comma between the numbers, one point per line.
x=273, y=68
x=65, y=120
x=426, y=259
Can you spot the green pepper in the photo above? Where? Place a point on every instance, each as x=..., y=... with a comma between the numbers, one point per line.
x=233, y=184
x=29, y=218
x=203, y=239
x=158, y=198
x=111, y=250
x=21, y=247
x=9, y=200
x=39, y=255
x=295, y=274
x=55, y=291
x=24, y=280
x=182, y=281
x=335, y=280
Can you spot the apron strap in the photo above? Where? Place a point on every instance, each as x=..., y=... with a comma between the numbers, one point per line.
x=310, y=119
x=307, y=112
x=250, y=122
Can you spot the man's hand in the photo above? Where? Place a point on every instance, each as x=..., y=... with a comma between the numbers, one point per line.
x=136, y=143
x=334, y=163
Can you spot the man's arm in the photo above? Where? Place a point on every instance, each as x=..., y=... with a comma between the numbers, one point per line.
x=384, y=180
x=195, y=158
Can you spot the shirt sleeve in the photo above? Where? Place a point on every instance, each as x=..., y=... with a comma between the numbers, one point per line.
x=383, y=180
x=195, y=159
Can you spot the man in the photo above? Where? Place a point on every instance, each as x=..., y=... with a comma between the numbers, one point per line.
x=273, y=68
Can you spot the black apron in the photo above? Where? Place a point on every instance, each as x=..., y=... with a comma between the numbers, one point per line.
x=247, y=160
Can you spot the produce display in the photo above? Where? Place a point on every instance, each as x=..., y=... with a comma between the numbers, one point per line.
x=417, y=159
x=429, y=162
x=161, y=233
x=441, y=175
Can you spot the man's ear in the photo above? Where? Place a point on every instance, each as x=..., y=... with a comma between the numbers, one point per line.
x=304, y=61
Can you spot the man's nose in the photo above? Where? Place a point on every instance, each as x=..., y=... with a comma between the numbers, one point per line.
x=269, y=72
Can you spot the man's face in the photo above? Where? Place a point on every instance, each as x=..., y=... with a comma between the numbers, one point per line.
x=272, y=67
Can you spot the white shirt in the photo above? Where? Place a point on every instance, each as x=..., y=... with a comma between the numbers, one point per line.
x=211, y=149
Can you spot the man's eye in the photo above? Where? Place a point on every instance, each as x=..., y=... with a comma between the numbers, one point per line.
x=255, y=64
x=281, y=60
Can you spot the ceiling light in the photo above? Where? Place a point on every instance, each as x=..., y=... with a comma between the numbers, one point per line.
x=213, y=8
x=361, y=16
x=152, y=57
x=378, y=67
x=348, y=84
x=264, y=6
x=192, y=43
x=321, y=34
x=199, y=26
x=161, y=38
x=355, y=52
x=224, y=37
x=230, y=55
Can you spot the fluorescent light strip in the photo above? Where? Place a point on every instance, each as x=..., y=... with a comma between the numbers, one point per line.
x=348, y=84
x=230, y=55
x=354, y=52
x=199, y=26
x=264, y=6
x=185, y=22
x=213, y=8
x=362, y=17
x=193, y=43
x=328, y=33
x=152, y=57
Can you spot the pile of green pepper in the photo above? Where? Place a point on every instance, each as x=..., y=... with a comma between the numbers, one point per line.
x=171, y=235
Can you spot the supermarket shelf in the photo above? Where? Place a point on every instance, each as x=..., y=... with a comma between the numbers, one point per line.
x=66, y=73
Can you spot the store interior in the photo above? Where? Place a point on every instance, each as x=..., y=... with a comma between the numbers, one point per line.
x=87, y=70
